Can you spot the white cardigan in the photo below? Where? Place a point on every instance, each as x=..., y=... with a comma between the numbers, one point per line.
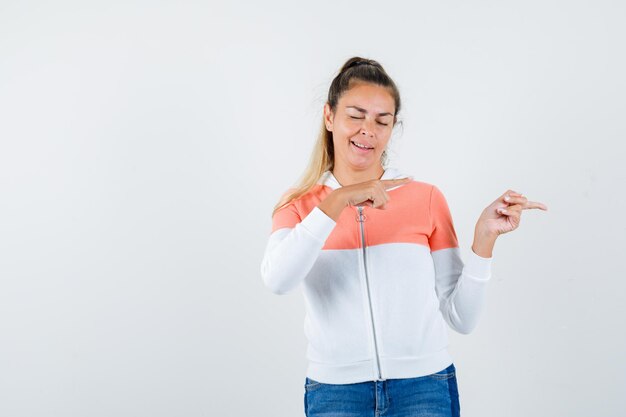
x=379, y=287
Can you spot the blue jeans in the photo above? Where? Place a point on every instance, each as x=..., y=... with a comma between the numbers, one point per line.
x=434, y=395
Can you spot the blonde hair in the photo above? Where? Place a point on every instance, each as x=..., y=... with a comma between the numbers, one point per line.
x=354, y=70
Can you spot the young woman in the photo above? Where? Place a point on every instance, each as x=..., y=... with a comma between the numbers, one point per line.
x=378, y=257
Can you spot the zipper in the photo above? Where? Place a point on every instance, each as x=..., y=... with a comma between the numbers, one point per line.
x=361, y=218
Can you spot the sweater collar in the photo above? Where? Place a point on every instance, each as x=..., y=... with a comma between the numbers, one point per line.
x=329, y=180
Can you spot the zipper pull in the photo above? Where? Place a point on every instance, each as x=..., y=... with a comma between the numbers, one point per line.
x=360, y=217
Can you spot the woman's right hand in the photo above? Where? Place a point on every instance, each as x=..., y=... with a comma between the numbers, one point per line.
x=370, y=193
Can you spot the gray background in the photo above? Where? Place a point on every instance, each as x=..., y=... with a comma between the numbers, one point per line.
x=144, y=144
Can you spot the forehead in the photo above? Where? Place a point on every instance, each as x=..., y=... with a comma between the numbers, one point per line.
x=372, y=98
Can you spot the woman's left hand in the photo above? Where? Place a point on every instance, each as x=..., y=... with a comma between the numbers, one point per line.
x=504, y=214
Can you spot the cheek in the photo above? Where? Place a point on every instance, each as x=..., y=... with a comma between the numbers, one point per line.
x=345, y=132
x=347, y=128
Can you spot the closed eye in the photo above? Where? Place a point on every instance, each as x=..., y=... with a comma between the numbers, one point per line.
x=384, y=124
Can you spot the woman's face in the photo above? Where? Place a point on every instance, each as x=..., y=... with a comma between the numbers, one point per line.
x=364, y=115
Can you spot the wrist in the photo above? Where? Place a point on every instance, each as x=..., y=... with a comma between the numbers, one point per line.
x=484, y=242
x=333, y=204
x=483, y=233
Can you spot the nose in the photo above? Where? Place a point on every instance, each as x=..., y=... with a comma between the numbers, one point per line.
x=366, y=129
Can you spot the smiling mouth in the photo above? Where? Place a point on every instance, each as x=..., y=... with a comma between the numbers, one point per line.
x=362, y=149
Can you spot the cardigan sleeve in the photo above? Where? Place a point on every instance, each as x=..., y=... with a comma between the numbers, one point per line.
x=293, y=247
x=460, y=287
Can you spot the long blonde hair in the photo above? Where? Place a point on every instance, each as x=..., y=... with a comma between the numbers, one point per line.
x=355, y=69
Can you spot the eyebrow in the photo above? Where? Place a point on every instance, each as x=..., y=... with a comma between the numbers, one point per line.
x=365, y=111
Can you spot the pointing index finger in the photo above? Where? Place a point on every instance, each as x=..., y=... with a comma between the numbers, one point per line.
x=532, y=205
x=393, y=182
x=535, y=204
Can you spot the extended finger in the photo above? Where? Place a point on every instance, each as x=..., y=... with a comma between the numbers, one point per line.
x=511, y=198
x=394, y=182
x=535, y=204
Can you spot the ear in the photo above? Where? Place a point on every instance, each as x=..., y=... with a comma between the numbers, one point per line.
x=328, y=117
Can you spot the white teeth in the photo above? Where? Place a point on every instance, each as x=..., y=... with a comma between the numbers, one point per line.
x=361, y=146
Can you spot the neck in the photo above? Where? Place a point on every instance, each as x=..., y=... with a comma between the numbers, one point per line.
x=347, y=176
